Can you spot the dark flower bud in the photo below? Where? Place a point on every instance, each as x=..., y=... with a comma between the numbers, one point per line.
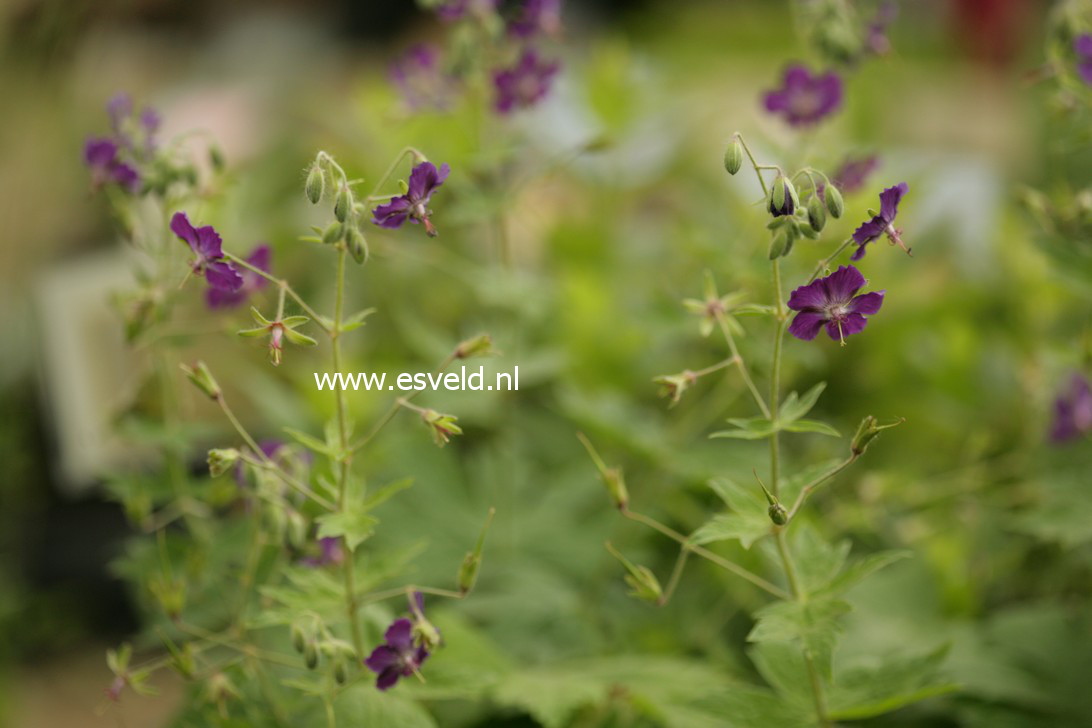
x=315, y=186
x=817, y=214
x=202, y=378
x=834, y=201
x=343, y=203
x=733, y=156
x=778, y=514
x=310, y=655
x=299, y=641
x=783, y=199
x=341, y=672
x=358, y=246
x=220, y=460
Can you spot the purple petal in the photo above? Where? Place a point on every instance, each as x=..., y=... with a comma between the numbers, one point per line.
x=223, y=298
x=797, y=77
x=869, y=231
x=843, y=284
x=125, y=176
x=776, y=101
x=99, y=152
x=859, y=252
x=854, y=323
x=180, y=226
x=221, y=275
x=867, y=303
x=1085, y=71
x=424, y=179
x=260, y=259
x=812, y=295
x=806, y=325
x=1083, y=45
x=388, y=678
x=382, y=657
x=209, y=243
x=118, y=107
x=889, y=201
x=392, y=214
x=400, y=635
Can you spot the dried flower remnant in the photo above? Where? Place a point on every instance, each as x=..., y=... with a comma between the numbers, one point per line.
x=833, y=301
x=1072, y=411
x=424, y=180
x=536, y=16
x=206, y=244
x=524, y=84
x=805, y=98
x=420, y=78
x=252, y=282
x=399, y=657
x=1082, y=45
x=882, y=223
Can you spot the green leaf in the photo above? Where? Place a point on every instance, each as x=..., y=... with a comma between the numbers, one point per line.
x=861, y=569
x=299, y=339
x=748, y=520
x=817, y=560
x=813, y=624
x=381, y=495
x=352, y=522
x=794, y=407
x=754, y=428
x=866, y=692
x=754, y=308
x=311, y=443
x=252, y=333
x=811, y=426
x=294, y=321
x=357, y=320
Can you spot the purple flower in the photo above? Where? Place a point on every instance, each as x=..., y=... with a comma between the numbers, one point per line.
x=269, y=449
x=330, y=553
x=413, y=206
x=119, y=108
x=101, y=157
x=205, y=243
x=876, y=41
x=883, y=223
x=1083, y=47
x=399, y=657
x=252, y=282
x=536, y=16
x=1072, y=411
x=421, y=80
x=805, y=98
x=524, y=84
x=452, y=10
x=833, y=301
x=853, y=173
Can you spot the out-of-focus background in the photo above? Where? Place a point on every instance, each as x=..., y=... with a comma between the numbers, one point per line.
x=626, y=205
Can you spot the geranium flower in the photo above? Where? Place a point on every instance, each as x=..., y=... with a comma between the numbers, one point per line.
x=536, y=16
x=206, y=244
x=833, y=301
x=1083, y=47
x=399, y=657
x=524, y=84
x=883, y=223
x=101, y=157
x=854, y=172
x=419, y=77
x=413, y=206
x=805, y=98
x=1072, y=411
x=252, y=282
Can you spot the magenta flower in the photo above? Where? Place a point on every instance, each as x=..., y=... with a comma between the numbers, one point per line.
x=1072, y=411
x=413, y=206
x=252, y=282
x=883, y=223
x=421, y=80
x=805, y=98
x=1083, y=47
x=399, y=657
x=101, y=157
x=833, y=301
x=205, y=243
x=524, y=84
x=536, y=16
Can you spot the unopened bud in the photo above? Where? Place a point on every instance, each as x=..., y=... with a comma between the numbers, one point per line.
x=733, y=156
x=817, y=214
x=343, y=203
x=616, y=487
x=299, y=640
x=835, y=205
x=341, y=672
x=202, y=378
x=468, y=572
x=315, y=185
x=642, y=582
x=783, y=199
x=442, y=426
x=778, y=514
x=310, y=655
x=480, y=345
x=333, y=233
x=358, y=246
x=221, y=460
x=868, y=430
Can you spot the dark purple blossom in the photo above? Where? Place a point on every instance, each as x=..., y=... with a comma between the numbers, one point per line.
x=833, y=301
x=1072, y=411
x=399, y=657
x=524, y=84
x=420, y=78
x=536, y=16
x=1083, y=47
x=205, y=243
x=330, y=553
x=252, y=282
x=101, y=157
x=854, y=172
x=413, y=206
x=805, y=98
x=882, y=223
x=452, y=10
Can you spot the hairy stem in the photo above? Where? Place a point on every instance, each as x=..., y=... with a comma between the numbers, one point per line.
x=743, y=372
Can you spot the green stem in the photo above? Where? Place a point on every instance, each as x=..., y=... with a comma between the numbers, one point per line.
x=775, y=378
x=676, y=574
x=283, y=285
x=394, y=408
x=810, y=487
x=825, y=262
x=741, y=365
x=757, y=167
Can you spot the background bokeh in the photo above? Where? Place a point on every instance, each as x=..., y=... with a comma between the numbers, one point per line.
x=615, y=203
